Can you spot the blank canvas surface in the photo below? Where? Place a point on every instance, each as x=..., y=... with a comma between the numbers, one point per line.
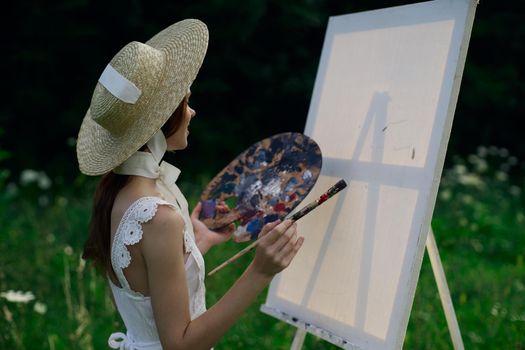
x=381, y=112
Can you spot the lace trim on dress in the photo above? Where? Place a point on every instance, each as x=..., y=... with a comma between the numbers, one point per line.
x=129, y=232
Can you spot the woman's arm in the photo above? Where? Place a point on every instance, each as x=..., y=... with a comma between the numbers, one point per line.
x=163, y=253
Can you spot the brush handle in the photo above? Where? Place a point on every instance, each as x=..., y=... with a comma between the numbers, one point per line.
x=304, y=211
x=236, y=256
x=328, y=194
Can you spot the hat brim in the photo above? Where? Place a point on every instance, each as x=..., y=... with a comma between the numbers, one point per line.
x=184, y=45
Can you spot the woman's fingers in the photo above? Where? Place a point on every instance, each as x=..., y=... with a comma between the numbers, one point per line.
x=222, y=207
x=285, y=244
x=287, y=259
x=286, y=236
x=227, y=230
x=274, y=232
x=268, y=227
x=196, y=211
x=283, y=255
x=278, y=237
x=277, y=247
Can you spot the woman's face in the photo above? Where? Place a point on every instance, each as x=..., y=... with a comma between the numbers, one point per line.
x=179, y=140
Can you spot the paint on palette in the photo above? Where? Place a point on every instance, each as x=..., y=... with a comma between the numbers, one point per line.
x=265, y=183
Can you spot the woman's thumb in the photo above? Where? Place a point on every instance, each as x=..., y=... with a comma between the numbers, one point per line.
x=269, y=226
x=196, y=211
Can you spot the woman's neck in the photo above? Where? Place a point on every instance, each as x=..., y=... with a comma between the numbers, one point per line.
x=142, y=186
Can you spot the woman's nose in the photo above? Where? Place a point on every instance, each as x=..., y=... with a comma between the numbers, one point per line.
x=192, y=113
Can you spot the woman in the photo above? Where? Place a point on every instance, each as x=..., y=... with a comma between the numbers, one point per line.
x=141, y=233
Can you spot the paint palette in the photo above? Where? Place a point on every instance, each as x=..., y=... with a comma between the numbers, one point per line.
x=264, y=183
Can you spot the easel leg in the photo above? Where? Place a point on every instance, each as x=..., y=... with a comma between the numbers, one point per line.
x=444, y=293
x=298, y=339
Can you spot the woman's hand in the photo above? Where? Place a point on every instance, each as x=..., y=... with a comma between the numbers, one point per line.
x=277, y=247
x=206, y=238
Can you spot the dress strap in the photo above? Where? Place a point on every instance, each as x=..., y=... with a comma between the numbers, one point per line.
x=129, y=232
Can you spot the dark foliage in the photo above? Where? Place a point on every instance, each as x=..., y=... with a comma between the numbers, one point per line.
x=256, y=81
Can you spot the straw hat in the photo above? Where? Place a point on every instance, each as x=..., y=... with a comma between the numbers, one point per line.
x=147, y=83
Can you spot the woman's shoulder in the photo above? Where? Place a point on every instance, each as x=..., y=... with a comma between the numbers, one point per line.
x=165, y=220
x=152, y=217
x=145, y=209
x=163, y=233
x=139, y=205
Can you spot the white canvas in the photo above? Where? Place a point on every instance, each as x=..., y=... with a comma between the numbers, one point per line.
x=381, y=111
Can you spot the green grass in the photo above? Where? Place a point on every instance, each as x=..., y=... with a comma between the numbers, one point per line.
x=479, y=224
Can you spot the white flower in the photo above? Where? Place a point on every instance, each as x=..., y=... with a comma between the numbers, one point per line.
x=27, y=176
x=503, y=152
x=501, y=176
x=482, y=165
x=495, y=309
x=68, y=250
x=470, y=180
x=473, y=159
x=445, y=194
x=39, y=177
x=460, y=169
x=81, y=264
x=482, y=151
x=43, y=181
x=40, y=308
x=467, y=199
x=520, y=287
x=479, y=163
x=515, y=317
x=17, y=296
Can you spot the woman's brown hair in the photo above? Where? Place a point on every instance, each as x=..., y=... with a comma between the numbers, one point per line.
x=98, y=244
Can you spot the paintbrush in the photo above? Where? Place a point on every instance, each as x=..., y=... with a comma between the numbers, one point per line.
x=328, y=194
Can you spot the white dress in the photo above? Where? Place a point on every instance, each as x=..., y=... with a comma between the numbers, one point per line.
x=135, y=308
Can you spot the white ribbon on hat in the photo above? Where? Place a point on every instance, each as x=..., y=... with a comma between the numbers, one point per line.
x=119, y=86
